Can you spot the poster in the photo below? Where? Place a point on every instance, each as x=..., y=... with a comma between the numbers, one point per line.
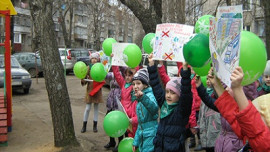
x=169, y=41
x=105, y=60
x=224, y=41
x=117, y=50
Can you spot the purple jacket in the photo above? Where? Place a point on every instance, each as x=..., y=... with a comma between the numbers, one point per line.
x=115, y=92
x=227, y=140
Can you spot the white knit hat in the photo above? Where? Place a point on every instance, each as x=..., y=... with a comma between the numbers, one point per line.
x=267, y=68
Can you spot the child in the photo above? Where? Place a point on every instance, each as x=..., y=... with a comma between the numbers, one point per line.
x=209, y=123
x=241, y=114
x=93, y=95
x=175, y=104
x=265, y=88
x=126, y=88
x=114, y=95
x=147, y=112
x=192, y=124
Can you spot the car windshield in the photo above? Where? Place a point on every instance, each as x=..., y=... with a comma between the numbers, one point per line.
x=14, y=62
x=170, y=63
x=80, y=53
x=63, y=52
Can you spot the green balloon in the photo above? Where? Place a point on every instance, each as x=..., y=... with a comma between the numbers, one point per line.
x=107, y=45
x=202, y=25
x=253, y=57
x=147, y=42
x=204, y=80
x=115, y=123
x=132, y=55
x=80, y=70
x=196, y=51
x=203, y=71
x=98, y=72
x=126, y=145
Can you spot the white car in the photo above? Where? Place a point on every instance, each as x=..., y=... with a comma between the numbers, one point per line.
x=68, y=59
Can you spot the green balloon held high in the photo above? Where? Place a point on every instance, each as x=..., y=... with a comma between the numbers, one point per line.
x=202, y=25
x=196, y=50
x=253, y=57
x=107, y=46
x=147, y=42
x=132, y=55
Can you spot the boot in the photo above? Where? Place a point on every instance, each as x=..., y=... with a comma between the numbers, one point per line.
x=192, y=142
x=111, y=144
x=199, y=146
x=95, y=127
x=115, y=149
x=84, y=127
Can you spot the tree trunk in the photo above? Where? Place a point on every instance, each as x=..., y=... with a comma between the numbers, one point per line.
x=41, y=12
x=149, y=17
x=266, y=7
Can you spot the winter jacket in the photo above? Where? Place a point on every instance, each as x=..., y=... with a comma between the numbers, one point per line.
x=247, y=124
x=227, y=141
x=147, y=113
x=114, y=94
x=172, y=132
x=196, y=99
x=129, y=106
x=210, y=126
x=97, y=97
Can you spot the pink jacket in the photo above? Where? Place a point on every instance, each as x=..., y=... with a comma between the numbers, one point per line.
x=195, y=103
x=247, y=124
x=129, y=106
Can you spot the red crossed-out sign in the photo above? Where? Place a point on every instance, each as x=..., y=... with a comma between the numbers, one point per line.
x=168, y=56
x=165, y=33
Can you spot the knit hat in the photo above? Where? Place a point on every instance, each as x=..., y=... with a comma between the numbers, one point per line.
x=142, y=75
x=94, y=55
x=175, y=85
x=267, y=68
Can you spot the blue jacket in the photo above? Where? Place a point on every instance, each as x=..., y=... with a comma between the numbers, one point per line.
x=147, y=113
x=172, y=131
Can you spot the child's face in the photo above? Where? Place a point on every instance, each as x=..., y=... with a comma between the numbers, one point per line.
x=129, y=76
x=208, y=83
x=266, y=79
x=94, y=60
x=171, y=96
x=138, y=85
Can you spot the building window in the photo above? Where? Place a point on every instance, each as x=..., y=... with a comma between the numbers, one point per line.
x=17, y=38
x=247, y=4
x=130, y=39
x=260, y=27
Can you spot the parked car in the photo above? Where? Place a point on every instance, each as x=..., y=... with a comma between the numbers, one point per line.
x=30, y=61
x=82, y=54
x=21, y=78
x=172, y=68
x=68, y=59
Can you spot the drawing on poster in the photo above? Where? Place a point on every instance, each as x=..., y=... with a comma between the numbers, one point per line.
x=169, y=41
x=224, y=42
x=118, y=58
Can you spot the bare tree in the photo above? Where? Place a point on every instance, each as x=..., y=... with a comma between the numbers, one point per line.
x=149, y=15
x=63, y=8
x=266, y=8
x=41, y=12
x=96, y=12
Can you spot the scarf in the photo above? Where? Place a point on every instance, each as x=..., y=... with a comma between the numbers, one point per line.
x=209, y=91
x=127, y=85
x=266, y=88
x=167, y=109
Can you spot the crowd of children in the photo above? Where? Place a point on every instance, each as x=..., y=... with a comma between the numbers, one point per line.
x=164, y=115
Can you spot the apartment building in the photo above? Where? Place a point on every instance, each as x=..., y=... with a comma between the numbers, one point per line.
x=112, y=23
